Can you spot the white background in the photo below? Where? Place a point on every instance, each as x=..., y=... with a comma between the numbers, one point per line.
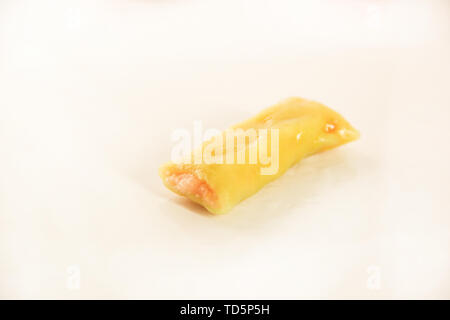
x=90, y=92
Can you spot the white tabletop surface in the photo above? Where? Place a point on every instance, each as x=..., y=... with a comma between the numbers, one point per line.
x=90, y=92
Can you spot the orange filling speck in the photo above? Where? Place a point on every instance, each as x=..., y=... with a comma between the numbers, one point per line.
x=330, y=127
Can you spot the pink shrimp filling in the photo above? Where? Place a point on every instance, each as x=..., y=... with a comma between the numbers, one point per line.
x=189, y=184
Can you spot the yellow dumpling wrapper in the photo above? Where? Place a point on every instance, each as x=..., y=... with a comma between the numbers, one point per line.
x=290, y=130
